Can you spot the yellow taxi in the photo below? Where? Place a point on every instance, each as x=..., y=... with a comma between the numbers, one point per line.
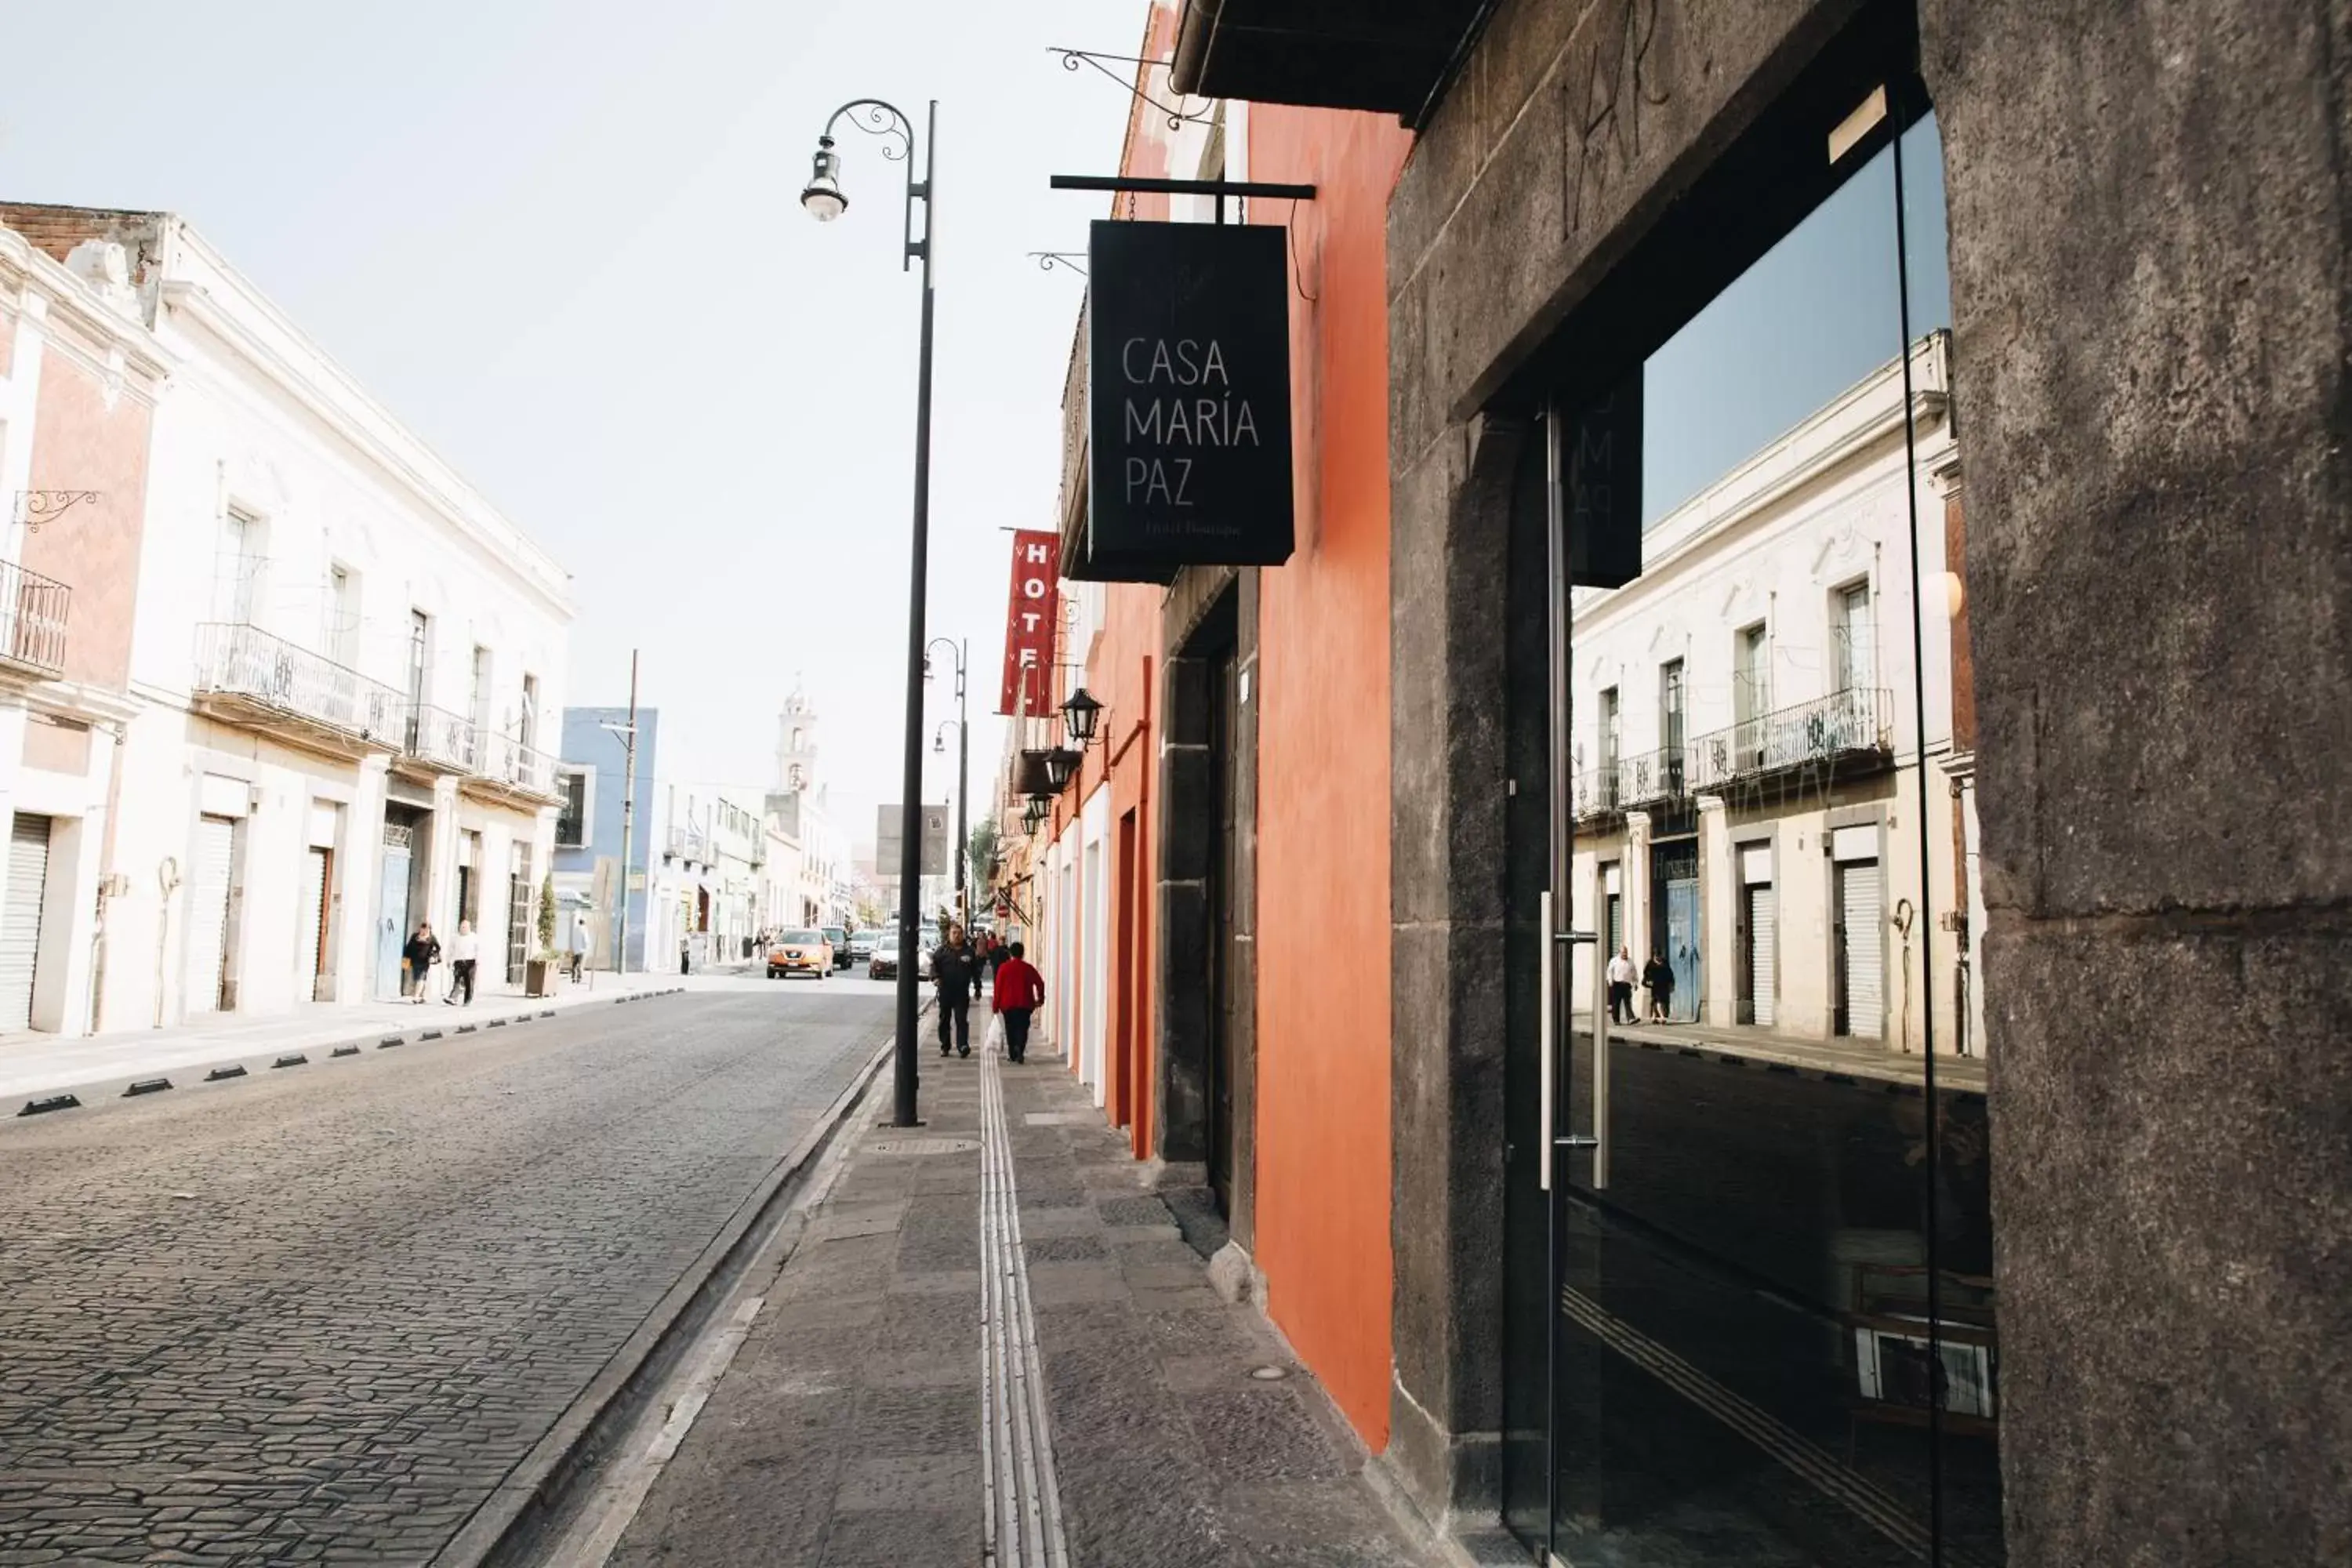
x=800, y=952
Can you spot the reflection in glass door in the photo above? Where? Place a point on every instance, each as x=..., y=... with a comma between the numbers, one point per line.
x=1757, y=1283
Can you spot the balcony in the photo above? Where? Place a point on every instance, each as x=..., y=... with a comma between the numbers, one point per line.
x=1851, y=730
x=32, y=621
x=435, y=741
x=245, y=676
x=506, y=769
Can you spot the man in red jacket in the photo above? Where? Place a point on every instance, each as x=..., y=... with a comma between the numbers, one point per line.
x=1018, y=993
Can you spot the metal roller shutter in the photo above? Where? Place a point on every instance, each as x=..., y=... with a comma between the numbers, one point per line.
x=20, y=918
x=207, y=939
x=1763, y=945
x=1860, y=913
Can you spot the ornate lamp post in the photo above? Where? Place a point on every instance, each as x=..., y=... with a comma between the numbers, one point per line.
x=825, y=200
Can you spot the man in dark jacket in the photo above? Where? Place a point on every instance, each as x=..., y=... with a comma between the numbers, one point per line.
x=1018, y=993
x=954, y=967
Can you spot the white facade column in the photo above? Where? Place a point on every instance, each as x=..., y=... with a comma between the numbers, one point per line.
x=1718, y=907
x=1636, y=883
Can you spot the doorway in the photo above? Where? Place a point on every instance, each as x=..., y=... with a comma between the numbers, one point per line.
x=210, y=875
x=1760, y=937
x=1749, y=1314
x=1123, y=1098
x=318, y=886
x=1858, y=949
x=20, y=917
x=392, y=925
x=1675, y=921
x=1223, y=880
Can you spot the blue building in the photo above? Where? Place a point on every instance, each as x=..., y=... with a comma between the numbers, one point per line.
x=591, y=779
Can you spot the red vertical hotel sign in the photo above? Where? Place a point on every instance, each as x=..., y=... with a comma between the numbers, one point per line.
x=1030, y=622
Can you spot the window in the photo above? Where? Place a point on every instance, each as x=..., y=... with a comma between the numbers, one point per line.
x=1751, y=675
x=575, y=786
x=237, y=571
x=477, y=700
x=343, y=616
x=528, y=733
x=1853, y=638
x=1670, y=707
x=420, y=655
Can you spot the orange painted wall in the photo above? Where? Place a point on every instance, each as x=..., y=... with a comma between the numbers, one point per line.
x=1323, y=773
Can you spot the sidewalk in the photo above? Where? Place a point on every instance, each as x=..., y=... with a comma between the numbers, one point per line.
x=38, y=1064
x=992, y=1345
x=1848, y=1059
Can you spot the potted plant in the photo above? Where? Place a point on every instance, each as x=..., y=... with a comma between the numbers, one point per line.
x=545, y=961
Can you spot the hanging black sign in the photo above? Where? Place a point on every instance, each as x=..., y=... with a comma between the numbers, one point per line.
x=1188, y=398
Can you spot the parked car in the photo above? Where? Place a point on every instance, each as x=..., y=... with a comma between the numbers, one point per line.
x=800, y=952
x=838, y=939
x=925, y=939
x=882, y=963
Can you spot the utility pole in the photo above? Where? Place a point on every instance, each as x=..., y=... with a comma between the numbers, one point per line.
x=628, y=816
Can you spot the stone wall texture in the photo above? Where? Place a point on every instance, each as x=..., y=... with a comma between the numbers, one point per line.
x=2150, y=287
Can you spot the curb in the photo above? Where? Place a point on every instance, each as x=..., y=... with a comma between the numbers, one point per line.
x=522, y=1503
x=99, y=1091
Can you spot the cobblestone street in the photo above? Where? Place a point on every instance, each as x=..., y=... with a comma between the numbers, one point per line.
x=319, y=1314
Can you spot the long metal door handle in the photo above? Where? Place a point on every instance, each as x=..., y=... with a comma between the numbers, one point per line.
x=1599, y=1070
x=1546, y=1003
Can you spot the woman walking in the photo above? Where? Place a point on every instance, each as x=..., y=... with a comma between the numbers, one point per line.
x=422, y=952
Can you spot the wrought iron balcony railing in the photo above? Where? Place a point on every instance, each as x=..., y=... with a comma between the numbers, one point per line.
x=33, y=620
x=506, y=761
x=438, y=739
x=1653, y=776
x=1846, y=724
x=259, y=676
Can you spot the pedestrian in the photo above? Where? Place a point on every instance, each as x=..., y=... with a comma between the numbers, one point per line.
x=578, y=949
x=1016, y=994
x=422, y=952
x=685, y=956
x=461, y=964
x=953, y=967
x=1659, y=982
x=1621, y=987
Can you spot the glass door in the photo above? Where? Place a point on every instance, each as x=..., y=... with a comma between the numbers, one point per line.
x=1750, y=1316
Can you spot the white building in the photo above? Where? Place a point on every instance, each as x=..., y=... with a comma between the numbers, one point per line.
x=1748, y=726
x=342, y=668
x=79, y=378
x=723, y=874
x=802, y=814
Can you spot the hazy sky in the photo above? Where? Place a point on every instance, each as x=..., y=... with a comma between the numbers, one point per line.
x=562, y=239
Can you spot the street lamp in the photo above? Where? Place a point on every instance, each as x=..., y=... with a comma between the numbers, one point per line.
x=1080, y=711
x=963, y=762
x=822, y=195
x=825, y=199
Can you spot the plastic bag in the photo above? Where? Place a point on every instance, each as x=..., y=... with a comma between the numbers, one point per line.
x=995, y=1039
